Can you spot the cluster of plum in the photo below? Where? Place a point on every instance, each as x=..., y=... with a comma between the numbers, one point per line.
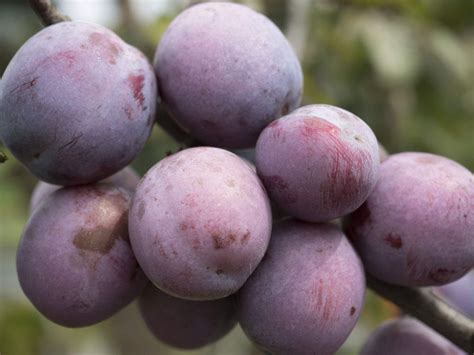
x=194, y=239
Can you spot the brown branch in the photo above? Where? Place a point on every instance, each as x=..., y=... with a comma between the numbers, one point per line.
x=47, y=12
x=431, y=310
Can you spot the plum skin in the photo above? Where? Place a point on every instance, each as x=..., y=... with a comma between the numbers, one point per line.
x=183, y=323
x=306, y=295
x=74, y=260
x=126, y=178
x=225, y=71
x=417, y=226
x=77, y=103
x=407, y=336
x=200, y=223
x=318, y=163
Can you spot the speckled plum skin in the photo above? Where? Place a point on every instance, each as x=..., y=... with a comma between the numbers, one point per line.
x=200, y=223
x=126, y=178
x=183, y=323
x=459, y=294
x=417, y=226
x=225, y=71
x=77, y=103
x=306, y=295
x=318, y=163
x=74, y=260
x=407, y=336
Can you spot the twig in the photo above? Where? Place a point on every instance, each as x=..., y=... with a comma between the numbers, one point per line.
x=431, y=310
x=47, y=12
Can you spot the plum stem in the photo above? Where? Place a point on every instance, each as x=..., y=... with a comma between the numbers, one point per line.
x=431, y=310
x=47, y=12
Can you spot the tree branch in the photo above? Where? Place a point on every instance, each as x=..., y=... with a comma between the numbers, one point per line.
x=431, y=310
x=3, y=157
x=47, y=12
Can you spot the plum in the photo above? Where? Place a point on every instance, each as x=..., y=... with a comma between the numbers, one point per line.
x=459, y=294
x=77, y=103
x=318, y=163
x=225, y=71
x=200, y=223
x=306, y=295
x=74, y=260
x=407, y=336
x=183, y=323
x=126, y=178
x=417, y=226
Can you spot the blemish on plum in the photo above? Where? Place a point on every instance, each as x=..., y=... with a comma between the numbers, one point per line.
x=183, y=226
x=219, y=271
x=98, y=239
x=278, y=184
x=110, y=49
x=137, y=83
x=141, y=210
x=353, y=309
x=394, y=240
x=245, y=238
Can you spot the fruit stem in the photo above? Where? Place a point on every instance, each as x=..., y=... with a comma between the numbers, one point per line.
x=47, y=12
x=431, y=310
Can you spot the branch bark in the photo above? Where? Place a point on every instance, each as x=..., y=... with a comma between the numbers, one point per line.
x=47, y=12
x=431, y=310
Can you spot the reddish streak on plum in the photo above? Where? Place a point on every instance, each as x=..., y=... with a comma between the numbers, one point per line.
x=108, y=47
x=276, y=183
x=136, y=83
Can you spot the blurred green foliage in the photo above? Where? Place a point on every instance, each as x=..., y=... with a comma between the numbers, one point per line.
x=405, y=67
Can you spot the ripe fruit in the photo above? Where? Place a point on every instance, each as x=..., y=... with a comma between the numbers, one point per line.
x=200, y=223
x=226, y=71
x=183, y=323
x=407, y=336
x=77, y=103
x=459, y=294
x=126, y=178
x=306, y=295
x=417, y=226
x=318, y=163
x=74, y=260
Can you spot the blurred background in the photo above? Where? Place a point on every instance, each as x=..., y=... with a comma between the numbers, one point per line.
x=405, y=67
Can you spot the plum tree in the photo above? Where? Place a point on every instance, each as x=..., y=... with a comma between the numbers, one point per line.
x=306, y=295
x=318, y=163
x=74, y=260
x=225, y=71
x=77, y=103
x=200, y=223
x=183, y=323
x=417, y=226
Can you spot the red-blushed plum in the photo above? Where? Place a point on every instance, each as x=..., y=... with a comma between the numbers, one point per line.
x=225, y=71
x=306, y=295
x=407, y=336
x=459, y=294
x=318, y=163
x=74, y=260
x=126, y=178
x=200, y=223
x=77, y=103
x=417, y=226
x=183, y=323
